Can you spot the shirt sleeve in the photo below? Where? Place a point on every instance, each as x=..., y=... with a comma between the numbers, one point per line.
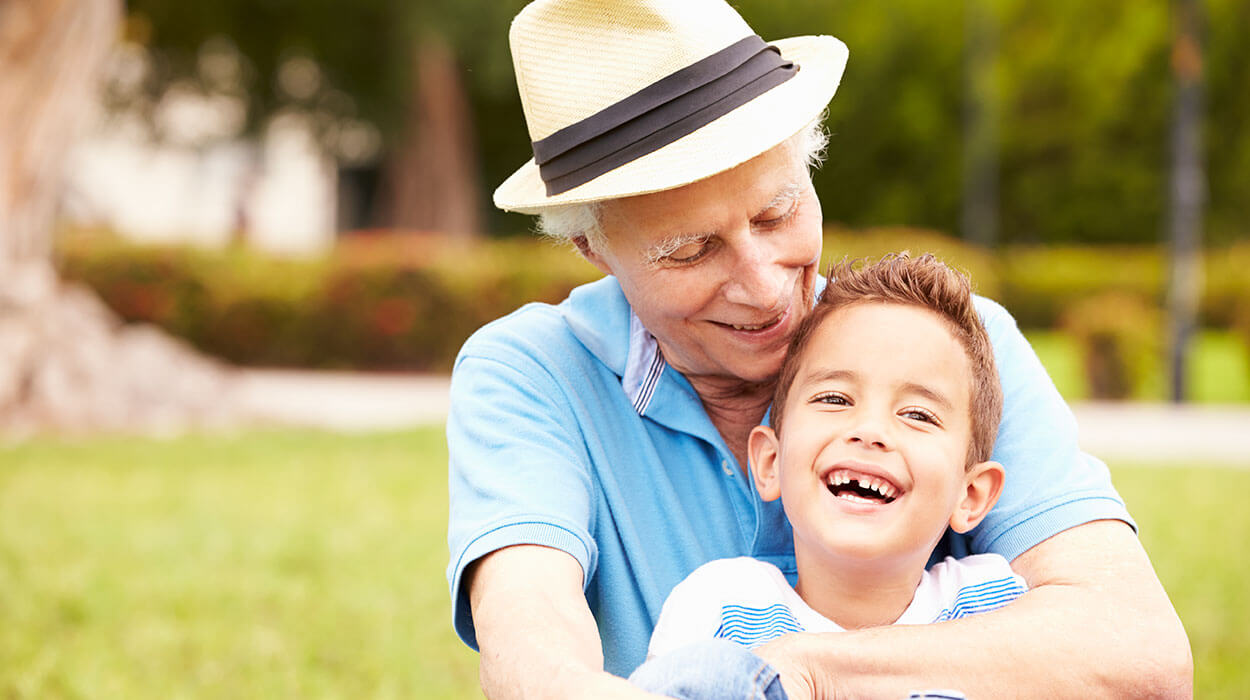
x=1051, y=484
x=518, y=471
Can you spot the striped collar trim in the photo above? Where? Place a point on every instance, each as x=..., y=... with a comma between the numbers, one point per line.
x=643, y=366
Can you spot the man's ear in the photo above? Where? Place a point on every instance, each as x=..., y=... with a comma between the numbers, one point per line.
x=762, y=449
x=592, y=257
x=982, y=485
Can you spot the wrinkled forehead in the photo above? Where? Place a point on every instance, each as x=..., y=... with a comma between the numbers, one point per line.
x=706, y=206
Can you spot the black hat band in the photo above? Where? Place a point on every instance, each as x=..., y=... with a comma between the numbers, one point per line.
x=659, y=114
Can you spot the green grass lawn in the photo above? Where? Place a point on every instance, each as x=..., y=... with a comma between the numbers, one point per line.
x=311, y=565
x=1219, y=368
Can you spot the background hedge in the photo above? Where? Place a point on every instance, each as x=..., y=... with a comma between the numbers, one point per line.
x=407, y=302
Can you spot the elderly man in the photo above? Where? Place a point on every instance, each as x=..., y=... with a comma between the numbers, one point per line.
x=598, y=446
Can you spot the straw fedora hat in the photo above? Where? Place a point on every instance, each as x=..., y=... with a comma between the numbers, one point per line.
x=626, y=97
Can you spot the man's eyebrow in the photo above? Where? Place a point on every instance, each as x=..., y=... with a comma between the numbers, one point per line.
x=931, y=394
x=668, y=246
x=657, y=252
x=789, y=193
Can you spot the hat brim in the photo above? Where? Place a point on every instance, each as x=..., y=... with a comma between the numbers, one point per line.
x=729, y=141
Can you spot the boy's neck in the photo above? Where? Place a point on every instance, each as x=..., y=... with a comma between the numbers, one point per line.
x=858, y=593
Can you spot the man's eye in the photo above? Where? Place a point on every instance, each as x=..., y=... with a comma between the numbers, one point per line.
x=690, y=252
x=778, y=215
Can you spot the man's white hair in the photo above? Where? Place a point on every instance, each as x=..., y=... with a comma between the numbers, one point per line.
x=568, y=223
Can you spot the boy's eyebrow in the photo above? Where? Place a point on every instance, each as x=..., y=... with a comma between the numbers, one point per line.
x=930, y=394
x=826, y=375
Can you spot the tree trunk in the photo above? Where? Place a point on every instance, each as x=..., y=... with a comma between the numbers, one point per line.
x=66, y=361
x=433, y=179
x=1188, y=193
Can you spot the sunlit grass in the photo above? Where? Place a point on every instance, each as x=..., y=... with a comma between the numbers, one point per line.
x=269, y=565
x=1194, y=526
x=311, y=565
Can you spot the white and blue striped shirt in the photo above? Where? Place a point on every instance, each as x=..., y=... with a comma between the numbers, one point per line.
x=750, y=602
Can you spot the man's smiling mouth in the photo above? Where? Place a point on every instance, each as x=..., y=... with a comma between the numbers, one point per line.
x=861, y=488
x=757, y=326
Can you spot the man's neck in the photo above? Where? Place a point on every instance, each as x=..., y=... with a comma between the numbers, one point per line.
x=734, y=407
x=858, y=593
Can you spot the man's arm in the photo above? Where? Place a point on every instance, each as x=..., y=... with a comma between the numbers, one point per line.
x=1095, y=623
x=537, y=636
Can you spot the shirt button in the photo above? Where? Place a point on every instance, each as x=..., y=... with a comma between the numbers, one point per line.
x=724, y=464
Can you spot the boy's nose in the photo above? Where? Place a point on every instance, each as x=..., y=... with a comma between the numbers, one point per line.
x=868, y=435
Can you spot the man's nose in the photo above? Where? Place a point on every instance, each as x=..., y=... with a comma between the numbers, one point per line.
x=757, y=279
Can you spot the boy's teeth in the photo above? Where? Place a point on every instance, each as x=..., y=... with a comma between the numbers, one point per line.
x=870, y=483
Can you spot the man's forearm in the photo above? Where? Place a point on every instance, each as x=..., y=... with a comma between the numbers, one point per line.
x=1095, y=624
x=537, y=637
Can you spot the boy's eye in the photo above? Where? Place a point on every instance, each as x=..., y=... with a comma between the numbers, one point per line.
x=832, y=399
x=919, y=414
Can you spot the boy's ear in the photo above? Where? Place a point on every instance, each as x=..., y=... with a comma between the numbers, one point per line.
x=762, y=450
x=982, y=485
x=583, y=247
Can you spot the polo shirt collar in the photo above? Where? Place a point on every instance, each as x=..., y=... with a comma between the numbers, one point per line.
x=602, y=320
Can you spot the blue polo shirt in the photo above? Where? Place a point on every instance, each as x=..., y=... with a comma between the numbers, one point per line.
x=568, y=429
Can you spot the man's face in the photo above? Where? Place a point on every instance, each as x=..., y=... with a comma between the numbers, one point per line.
x=720, y=271
x=872, y=451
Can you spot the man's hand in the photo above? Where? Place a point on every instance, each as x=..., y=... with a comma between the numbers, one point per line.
x=536, y=633
x=786, y=654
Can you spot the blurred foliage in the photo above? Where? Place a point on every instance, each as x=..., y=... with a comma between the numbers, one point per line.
x=1120, y=339
x=404, y=302
x=979, y=264
x=1241, y=327
x=409, y=301
x=1084, y=98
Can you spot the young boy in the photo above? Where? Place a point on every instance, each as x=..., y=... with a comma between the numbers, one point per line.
x=882, y=426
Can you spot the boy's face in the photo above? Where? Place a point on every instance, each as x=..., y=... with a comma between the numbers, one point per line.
x=871, y=460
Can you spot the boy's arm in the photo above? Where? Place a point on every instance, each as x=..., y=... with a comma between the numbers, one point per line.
x=537, y=636
x=1095, y=623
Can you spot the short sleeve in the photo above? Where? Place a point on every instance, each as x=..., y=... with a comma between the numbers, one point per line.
x=1051, y=484
x=518, y=471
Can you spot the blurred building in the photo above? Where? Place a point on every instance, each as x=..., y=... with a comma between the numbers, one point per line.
x=180, y=170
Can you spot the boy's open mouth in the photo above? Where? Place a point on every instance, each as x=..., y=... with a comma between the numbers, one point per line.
x=861, y=488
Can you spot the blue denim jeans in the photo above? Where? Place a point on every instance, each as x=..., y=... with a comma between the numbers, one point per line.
x=717, y=669
x=714, y=669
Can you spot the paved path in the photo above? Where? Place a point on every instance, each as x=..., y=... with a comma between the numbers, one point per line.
x=360, y=402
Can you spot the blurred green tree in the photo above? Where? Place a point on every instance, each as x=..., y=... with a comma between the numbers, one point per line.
x=1083, y=87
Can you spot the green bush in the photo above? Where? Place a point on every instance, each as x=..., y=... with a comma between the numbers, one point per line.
x=1119, y=335
x=407, y=302
x=1041, y=284
x=1226, y=285
x=379, y=302
x=978, y=263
